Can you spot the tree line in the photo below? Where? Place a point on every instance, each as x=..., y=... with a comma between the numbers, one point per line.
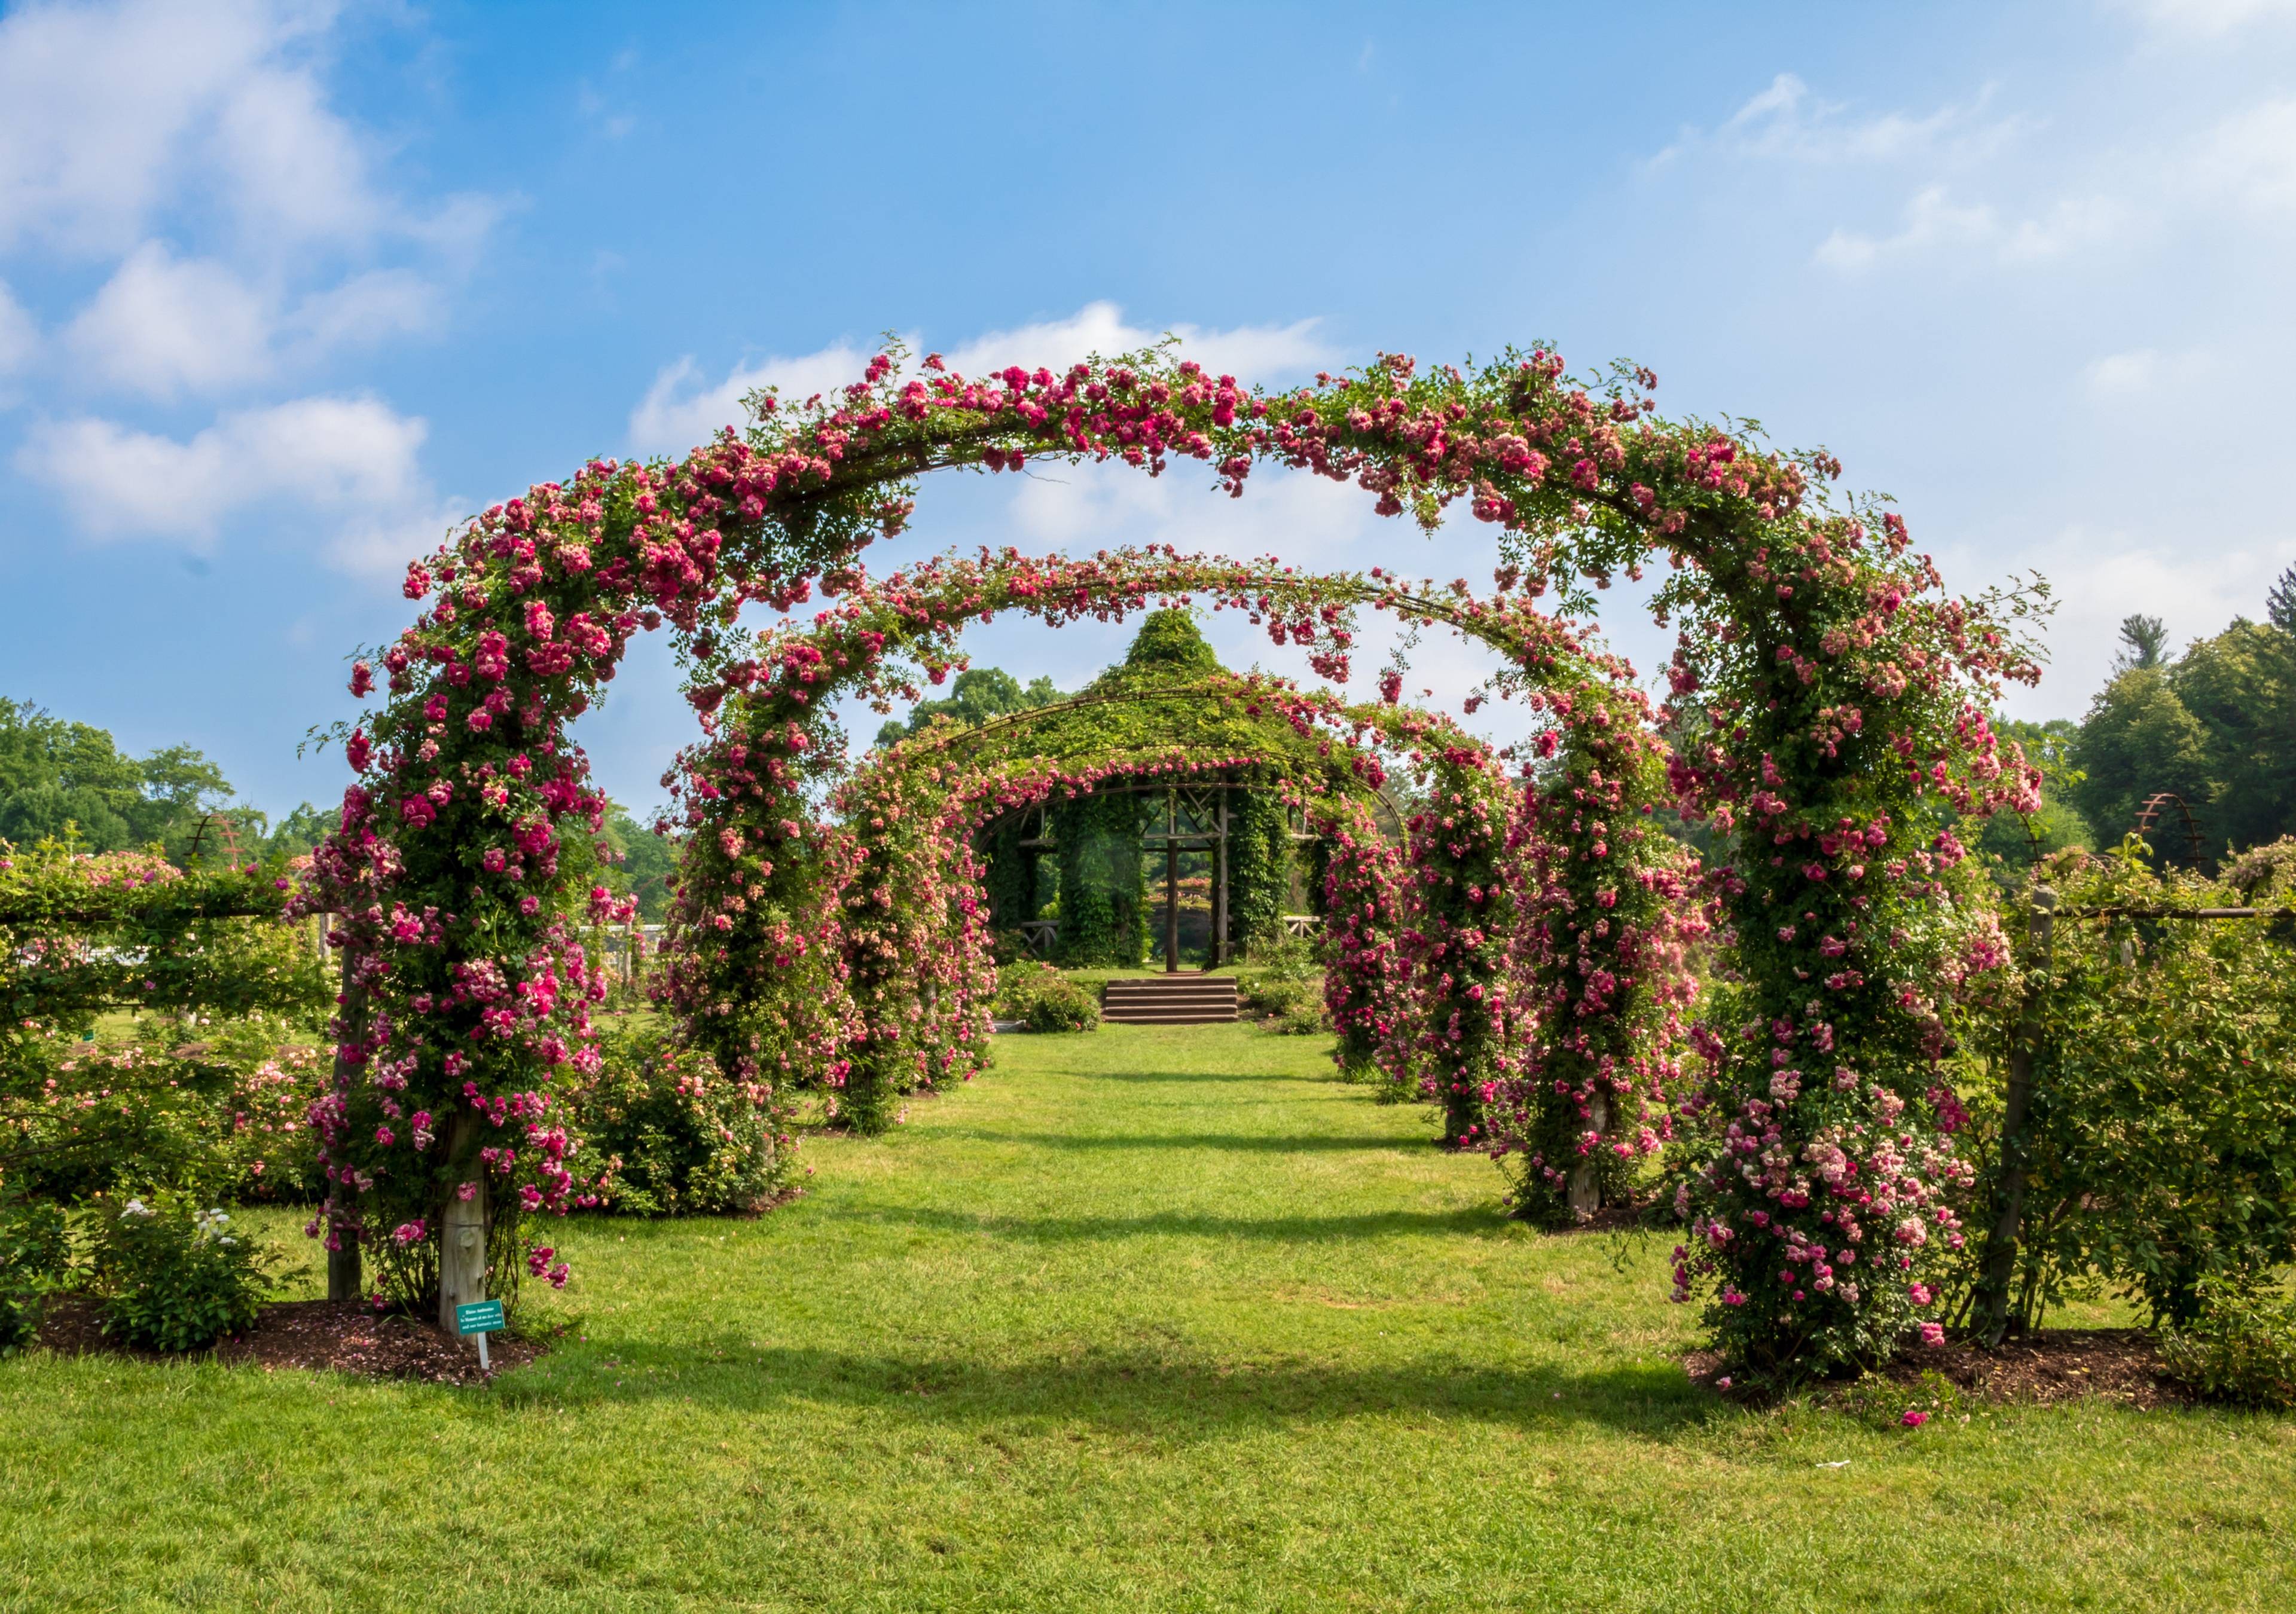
x=2215, y=726
x=70, y=781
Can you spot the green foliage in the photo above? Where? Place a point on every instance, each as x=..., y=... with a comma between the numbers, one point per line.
x=975, y=695
x=2143, y=641
x=2280, y=602
x=1883, y=1403
x=1170, y=641
x=2012, y=842
x=2217, y=727
x=2240, y=1349
x=2139, y=739
x=1044, y=999
x=663, y=1133
x=1013, y=874
x=1104, y=880
x=33, y=1251
x=1155, y=696
x=298, y=831
x=2240, y=688
x=1258, y=869
x=57, y=776
x=640, y=863
x=1285, y=986
x=222, y=1116
x=207, y=1097
x=2161, y=1138
x=172, y=1276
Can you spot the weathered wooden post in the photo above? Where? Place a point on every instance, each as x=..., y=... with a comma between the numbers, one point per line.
x=462, y=1229
x=2016, y=1105
x=345, y=1280
x=1171, y=884
x=1586, y=1178
x=1219, y=905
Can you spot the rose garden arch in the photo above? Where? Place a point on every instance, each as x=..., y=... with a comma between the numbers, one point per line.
x=1826, y=715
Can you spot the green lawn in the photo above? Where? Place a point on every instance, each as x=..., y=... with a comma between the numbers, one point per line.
x=1145, y=1319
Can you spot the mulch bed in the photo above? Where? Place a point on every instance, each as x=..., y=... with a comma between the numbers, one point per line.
x=1610, y=1218
x=2116, y=1365
x=339, y=1336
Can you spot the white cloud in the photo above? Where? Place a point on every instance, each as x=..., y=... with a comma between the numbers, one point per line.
x=2251, y=157
x=105, y=110
x=164, y=327
x=2144, y=371
x=680, y=412
x=19, y=337
x=1253, y=352
x=1931, y=220
x=366, y=309
x=681, y=409
x=351, y=458
x=1786, y=122
x=296, y=171
x=2208, y=20
x=1934, y=222
x=2116, y=576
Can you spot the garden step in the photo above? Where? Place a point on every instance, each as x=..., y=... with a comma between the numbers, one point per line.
x=1169, y=1000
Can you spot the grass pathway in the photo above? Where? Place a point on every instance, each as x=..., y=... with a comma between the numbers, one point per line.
x=1155, y=1318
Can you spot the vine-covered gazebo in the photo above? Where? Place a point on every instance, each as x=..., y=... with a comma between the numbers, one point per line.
x=1106, y=878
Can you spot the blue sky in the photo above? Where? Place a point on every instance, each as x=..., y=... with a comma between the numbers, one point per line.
x=289, y=288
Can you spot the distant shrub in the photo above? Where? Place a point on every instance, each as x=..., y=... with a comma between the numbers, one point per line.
x=218, y=1108
x=2161, y=1142
x=2242, y=1349
x=1285, y=986
x=173, y=1276
x=1042, y=999
x=33, y=1253
x=661, y=1131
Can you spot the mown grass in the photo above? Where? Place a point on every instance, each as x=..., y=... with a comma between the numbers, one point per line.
x=1147, y=1319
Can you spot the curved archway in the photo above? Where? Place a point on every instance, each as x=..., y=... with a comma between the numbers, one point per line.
x=888, y=634
x=1832, y=699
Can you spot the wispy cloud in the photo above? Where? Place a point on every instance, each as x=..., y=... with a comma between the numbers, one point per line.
x=354, y=461
x=682, y=408
x=1787, y=122
x=1934, y=222
x=2207, y=21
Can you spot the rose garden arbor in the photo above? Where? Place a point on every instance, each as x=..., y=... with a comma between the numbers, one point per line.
x=1520, y=944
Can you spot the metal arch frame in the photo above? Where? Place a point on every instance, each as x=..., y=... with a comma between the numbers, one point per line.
x=2155, y=809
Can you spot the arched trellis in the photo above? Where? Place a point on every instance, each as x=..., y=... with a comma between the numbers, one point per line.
x=1828, y=696
x=1601, y=764
x=1462, y=1007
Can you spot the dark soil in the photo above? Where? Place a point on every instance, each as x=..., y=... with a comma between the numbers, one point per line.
x=2117, y=1364
x=1610, y=1218
x=344, y=1337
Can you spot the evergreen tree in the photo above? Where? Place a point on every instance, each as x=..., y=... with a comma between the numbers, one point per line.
x=2143, y=642
x=2280, y=602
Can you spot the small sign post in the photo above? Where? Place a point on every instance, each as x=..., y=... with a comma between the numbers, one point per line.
x=480, y=1317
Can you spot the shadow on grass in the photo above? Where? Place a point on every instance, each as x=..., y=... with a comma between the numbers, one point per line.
x=1249, y=1142
x=1136, y=1391
x=1223, y=1077
x=1187, y=1224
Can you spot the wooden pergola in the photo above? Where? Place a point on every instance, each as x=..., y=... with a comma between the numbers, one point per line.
x=1195, y=819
